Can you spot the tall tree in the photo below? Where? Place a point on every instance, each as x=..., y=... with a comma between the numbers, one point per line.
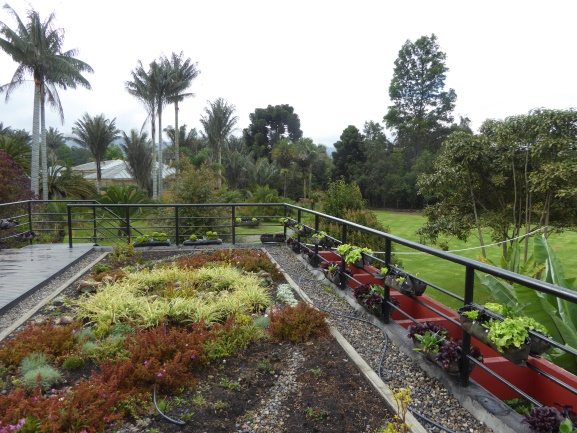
x=37, y=48
x=218, y=123
x=182, y=72
x=142, y=86
x=348, y=153
x=306, y=154
x=138, y=151
x=269, y=125
x=95, y=134
x=422, y=107
x=54, y=141
x=284, y=153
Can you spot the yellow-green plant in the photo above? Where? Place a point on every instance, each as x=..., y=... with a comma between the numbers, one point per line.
x=402, y=397
x=149, y=297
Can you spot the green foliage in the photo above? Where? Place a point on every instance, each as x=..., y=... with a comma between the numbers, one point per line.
x=402, y=397
x=268, y=125
x=14, y=185
x=211, y=235
x=100, y=267
x=352, y=254
x=422, y=108
x=348, y=154
x=193, y=238
x=471, y=314
x=342, y=196
x=121, y=252
x=297, y=324
x=44, y=376
x=558, y=317
x=566, y=426
x=33, y=361
x=72, y=363
x=138, y=151
x=429, y=342
x=508, y=333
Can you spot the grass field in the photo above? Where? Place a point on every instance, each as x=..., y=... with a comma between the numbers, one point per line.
x=451, y=276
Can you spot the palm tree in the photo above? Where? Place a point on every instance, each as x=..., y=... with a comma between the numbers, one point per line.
x=95, y=134
x=142, y=87
x=306, y=154
x=54, y=140
x=182, y=72
x=138, y=150
x=37, y=47
x=218, y=123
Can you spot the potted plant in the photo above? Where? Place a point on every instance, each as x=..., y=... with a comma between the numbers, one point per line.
x=287, y=222
x=434, y=341
x=209, y=238
x=294, y=244
x=333, y=274
x=548, y=419
x=381, y=273
x=155, y=239
x=449, y=357
x=269, y=237
x=318, y=237
x=371, y=297
x=246, y=221
x=353, y=255
x=405, y=283
x=477, y=321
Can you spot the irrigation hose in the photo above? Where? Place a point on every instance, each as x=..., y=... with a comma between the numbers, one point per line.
x=381, y=363
x=166, y=417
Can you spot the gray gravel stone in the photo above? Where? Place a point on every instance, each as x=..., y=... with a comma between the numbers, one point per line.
x=430, y=397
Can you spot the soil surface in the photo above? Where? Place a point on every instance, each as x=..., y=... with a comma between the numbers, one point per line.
x=328, y=394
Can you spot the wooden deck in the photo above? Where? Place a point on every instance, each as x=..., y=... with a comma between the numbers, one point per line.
x=22, y=270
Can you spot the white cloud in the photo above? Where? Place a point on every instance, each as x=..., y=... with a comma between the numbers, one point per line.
x=332, y=61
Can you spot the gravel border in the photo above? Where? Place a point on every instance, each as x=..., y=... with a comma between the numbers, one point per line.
x=430, y=397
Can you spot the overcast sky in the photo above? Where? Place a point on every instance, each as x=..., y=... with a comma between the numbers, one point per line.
x=331, y=60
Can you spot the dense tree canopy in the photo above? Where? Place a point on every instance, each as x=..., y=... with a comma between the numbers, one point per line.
x=348, y=153
x=422, y=108
x=269, y=125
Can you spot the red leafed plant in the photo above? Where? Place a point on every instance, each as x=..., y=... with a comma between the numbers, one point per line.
x=297, y=324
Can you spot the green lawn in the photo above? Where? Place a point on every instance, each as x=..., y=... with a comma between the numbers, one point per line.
x=451, y=276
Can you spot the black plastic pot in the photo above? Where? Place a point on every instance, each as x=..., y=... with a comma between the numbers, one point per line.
x=198, y=242
x=269, y=237
x=152, y=244
x=537, y=346
x=410, y=286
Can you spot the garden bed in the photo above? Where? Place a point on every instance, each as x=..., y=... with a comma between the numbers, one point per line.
x=134, y=326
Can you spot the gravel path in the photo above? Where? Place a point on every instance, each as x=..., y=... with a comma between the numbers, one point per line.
x=430, y=397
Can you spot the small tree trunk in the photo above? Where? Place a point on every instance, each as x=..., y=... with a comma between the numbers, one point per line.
x=219, y=162
x=98, y=175
x=43, y=153
x=527, y=206
x=160, y=165
x=154, y=165
x=176, y=137
x=35, y=156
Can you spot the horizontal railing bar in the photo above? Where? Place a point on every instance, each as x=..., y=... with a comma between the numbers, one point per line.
x=482, y=267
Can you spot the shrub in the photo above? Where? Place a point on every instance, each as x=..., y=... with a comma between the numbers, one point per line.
x=53, y=341
x=99, y=268
x=297, y=324
x=235, y=334
x=44, y=376
x=32, y=362
x=544, y=420
x=73, y=362
x=342, y=196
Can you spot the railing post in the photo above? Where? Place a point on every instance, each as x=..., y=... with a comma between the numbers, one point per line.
x=466, y=345
x=233, y=227
x=344, y=234
x=317, y=223
x=299, y=216
x=284, y=225
x=387, y=295
x=94, y=234
x=69, y=215
x=176, y=225
x=30, y=221
x=128, y=223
